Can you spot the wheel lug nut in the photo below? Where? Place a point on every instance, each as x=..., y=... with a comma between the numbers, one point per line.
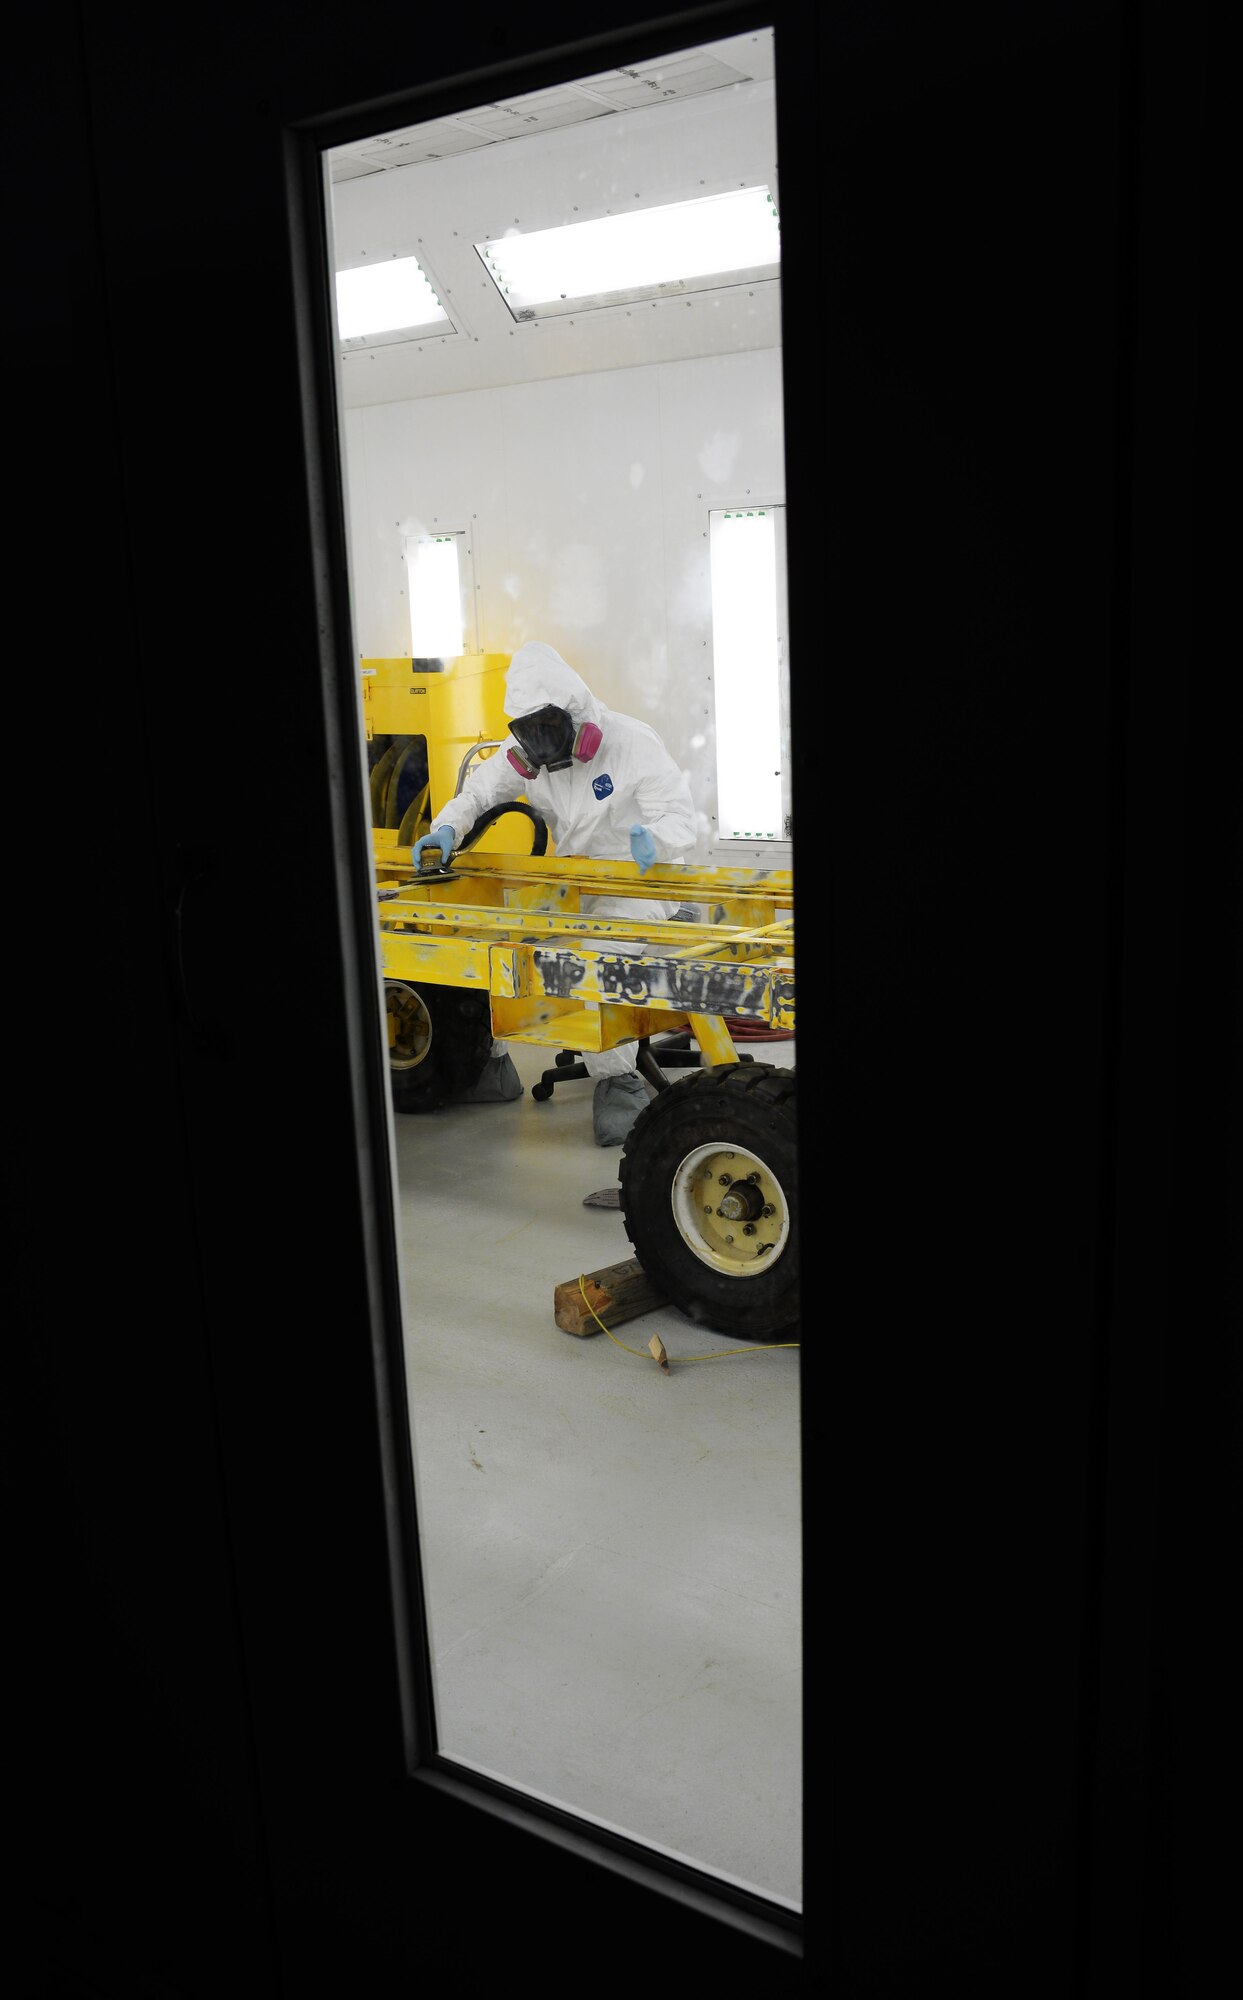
x=725, y=1180
x=754, y=1179
x=729, y=1239
x=768, y=1209
x=708, y=1208
x=749, y=1230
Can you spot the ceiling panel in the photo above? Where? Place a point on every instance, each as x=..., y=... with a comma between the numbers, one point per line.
x=665, y=79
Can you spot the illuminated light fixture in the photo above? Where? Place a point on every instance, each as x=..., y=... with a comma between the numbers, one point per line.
x=746, y=667
x=434, y=583
x=647, y=253
x=387, y=297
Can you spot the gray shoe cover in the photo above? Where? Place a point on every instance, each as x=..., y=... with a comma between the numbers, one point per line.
x=615, y=1104
x=498, y=1083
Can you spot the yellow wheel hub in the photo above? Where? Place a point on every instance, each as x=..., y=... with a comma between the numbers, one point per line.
x=409, y=1025
x=731, y=1210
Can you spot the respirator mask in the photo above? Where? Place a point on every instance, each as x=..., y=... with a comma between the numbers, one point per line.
x=548, y=740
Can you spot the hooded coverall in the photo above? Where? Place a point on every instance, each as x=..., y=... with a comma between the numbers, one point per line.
x=591, y=806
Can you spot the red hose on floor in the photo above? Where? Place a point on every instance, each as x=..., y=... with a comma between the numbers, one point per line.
x=755, y=1031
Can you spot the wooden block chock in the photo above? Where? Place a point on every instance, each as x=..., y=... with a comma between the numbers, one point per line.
x=617, y=1292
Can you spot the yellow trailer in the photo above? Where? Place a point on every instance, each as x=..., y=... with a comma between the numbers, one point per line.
x=497, y=946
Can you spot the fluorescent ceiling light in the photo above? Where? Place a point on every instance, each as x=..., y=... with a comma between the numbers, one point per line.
x=385, y=297
x=688, y=246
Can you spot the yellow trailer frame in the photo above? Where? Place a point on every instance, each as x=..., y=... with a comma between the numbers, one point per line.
x=512, y=926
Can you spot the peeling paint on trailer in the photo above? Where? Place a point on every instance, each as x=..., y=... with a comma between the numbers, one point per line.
x=696, y=988
x=559, y=972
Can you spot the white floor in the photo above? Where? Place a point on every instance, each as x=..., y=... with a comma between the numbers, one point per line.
x=612, y=1555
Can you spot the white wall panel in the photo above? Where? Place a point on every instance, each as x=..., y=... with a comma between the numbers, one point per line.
x=585, y=568
x=588, y=500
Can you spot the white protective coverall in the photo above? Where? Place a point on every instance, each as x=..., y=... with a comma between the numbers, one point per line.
x=590, y=807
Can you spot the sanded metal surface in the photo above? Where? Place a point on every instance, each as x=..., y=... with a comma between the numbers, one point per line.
x=513, y=925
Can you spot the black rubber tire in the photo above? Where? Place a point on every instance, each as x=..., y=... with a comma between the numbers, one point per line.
x=748, y=1106
x=458, y=1047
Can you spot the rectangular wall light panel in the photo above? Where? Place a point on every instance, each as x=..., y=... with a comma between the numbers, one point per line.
x=746, y=664
x=434, y=583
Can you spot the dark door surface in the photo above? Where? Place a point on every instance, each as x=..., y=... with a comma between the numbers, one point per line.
x=1008, y=763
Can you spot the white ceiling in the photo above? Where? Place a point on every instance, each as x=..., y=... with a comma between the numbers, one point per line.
x=692, y=124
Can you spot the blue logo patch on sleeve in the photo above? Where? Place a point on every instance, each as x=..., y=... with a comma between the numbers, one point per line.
x=602, y=785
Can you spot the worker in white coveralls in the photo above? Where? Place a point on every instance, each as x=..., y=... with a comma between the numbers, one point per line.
x=609, y=790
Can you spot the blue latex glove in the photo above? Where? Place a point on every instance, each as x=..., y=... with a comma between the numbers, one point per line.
x=440, y=836
x=643, y=847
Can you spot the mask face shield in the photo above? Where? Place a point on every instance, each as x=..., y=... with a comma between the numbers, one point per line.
x=545, y=738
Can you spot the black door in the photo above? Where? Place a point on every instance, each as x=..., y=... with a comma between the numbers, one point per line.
x=1004, y=730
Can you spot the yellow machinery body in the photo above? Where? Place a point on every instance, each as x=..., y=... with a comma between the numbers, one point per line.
x=450, y=712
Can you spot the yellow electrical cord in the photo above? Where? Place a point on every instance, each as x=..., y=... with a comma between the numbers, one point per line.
x=718, y=1353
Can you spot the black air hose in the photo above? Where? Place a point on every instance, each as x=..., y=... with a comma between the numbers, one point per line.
x=380, y=777
x=392, y=792
x=406, y=832
x=539, y=844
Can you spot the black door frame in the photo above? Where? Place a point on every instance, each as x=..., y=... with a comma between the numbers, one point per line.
x=220, y=1502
